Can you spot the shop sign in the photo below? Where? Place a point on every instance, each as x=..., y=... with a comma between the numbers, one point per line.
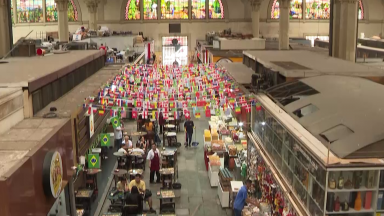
x=52, y=174
x=91, y=125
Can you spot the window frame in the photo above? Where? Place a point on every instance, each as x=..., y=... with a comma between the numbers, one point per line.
x=361, y=3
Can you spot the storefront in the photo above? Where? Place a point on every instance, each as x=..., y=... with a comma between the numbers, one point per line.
x=38, y=181
x=93, y=169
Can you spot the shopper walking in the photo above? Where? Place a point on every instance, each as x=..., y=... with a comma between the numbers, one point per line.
x=154, y=165
x=188, y=128
x=241, y=199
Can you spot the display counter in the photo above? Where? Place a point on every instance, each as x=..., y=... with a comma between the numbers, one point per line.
x=213, y=175
x=348, y=187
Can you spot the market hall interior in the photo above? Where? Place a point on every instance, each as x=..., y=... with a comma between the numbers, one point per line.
x=242, y=107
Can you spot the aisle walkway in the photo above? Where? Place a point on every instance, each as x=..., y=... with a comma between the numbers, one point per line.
x=197, y=196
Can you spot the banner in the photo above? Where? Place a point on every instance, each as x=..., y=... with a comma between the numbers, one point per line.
x=93, y=161
x=105, y=140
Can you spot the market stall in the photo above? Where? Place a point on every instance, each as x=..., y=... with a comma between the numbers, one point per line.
x=176, y=93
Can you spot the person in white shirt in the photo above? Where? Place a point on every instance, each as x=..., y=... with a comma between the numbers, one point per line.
x=141, y=151
x=154, y=156
x=122, y=150
x=127, y=142
x=118, y=137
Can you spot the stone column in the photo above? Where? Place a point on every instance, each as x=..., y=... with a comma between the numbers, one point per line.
x=4, y=28
x=284, y=25
x=344, y=29
x=62, y=14
x=255, y=4
x=92, y=6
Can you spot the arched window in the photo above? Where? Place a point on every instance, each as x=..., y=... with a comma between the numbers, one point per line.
x=51, y=11
x=295, y=12
x=150, y=9
x=132, y=10
x=174, y=9
x=314, y=9
x=29, y=11
x=216, y=10
x=13, y=22
x=198, y=9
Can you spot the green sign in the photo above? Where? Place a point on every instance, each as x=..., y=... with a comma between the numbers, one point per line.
x=93, y=161
x=105, y=139
x=115, y=122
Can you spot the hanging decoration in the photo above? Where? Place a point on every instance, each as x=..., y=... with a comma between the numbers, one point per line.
x=147, y=90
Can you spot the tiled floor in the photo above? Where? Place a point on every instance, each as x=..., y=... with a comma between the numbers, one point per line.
x=197, y=196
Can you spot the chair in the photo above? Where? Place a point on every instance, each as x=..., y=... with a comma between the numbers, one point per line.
x=131, y=209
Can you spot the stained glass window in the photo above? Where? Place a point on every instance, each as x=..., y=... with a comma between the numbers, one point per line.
x=12, y=12
x=174, y=9
x=72, y=11
x=150, y=9
x=29, y=11
x=315, y=9
x=216, y=10
x=198, y=9
x=132, y=10
x=295, y=12
x=51, y=11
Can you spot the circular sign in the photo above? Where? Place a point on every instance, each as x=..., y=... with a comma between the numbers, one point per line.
x=52, y=174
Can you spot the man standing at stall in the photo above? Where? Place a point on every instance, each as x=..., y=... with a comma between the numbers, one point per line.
x=241, y=199
x=154, y=165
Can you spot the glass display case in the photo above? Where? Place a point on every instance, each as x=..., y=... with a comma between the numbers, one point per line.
x=321, y=190
x=304, y=174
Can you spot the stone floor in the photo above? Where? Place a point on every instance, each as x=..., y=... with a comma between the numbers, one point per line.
x=198, y=198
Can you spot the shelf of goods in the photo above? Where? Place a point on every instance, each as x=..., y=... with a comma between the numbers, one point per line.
x=266, y=186
x=355, y=191
x=319, y=190
x=225, y=178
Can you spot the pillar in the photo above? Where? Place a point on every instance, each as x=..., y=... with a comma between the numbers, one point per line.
x=284, y=25
x=4, y=28
x=100, y=10
x=344, y=29
x=62, y=14
x=255, y=4
x=92, y=6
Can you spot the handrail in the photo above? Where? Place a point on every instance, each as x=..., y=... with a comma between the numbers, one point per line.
x=139, y=58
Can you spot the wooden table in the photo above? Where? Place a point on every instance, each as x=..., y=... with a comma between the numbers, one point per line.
x=166, y=176
x=84, y=196
x=166, y=198
x=119, y=173
x=92, y=180
x=133, y=172
x=171, y=138
x=119, y=156
x=138, y=133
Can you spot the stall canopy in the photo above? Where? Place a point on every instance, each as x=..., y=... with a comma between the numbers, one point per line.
x=344, y=113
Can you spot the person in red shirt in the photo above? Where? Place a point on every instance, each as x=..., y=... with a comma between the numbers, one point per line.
x=105, y=50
